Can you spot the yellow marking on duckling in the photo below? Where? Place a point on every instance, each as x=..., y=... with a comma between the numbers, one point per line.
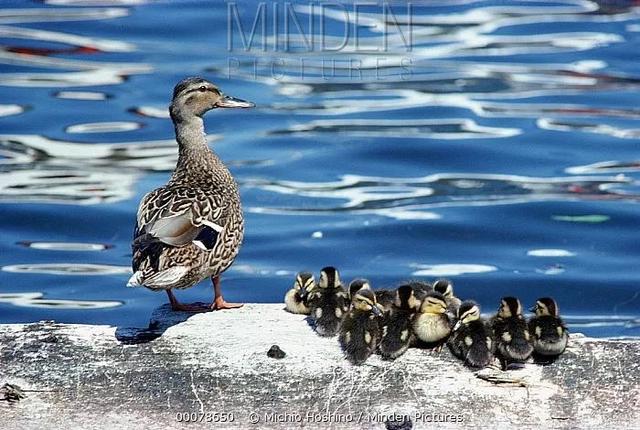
x=559, y=331
x=338, y=312
x=538, y=331
x=367, y=337
x=347, y=337
x=468, y=341
x=526, y=335
x=506, y=336
x=403, y=335
x=318, y=312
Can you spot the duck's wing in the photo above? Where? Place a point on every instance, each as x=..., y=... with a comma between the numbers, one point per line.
x=179, y=216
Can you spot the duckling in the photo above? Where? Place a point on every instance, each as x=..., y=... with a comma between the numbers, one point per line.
x=360, y=330
x=356, y=285
x=510, y=332
x=397, y=334
x=431, y=324
x=328, y=302
x=445, y=287
x=420, y=288
x=548, y=332
x=296, y=298
x=385, y=299
x=470, y=338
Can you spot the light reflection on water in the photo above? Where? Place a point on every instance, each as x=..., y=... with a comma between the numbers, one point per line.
x=505, y=158
x=68, y=269
x=35, y=300
x=402, y=128
x=66, y=246
x=384, y=195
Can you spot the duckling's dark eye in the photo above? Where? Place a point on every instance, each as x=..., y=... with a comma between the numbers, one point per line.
x=202, y=89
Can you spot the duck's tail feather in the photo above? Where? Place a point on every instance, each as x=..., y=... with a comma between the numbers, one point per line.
x=135, y=280
x=166, y=279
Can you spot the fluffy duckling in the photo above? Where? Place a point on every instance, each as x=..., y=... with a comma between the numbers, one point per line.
x=360, y=330
x=470, y=338
x=431, y=324
x=296, y=298
x=385, y=299
x=420, y=288
x=356, y=285
x=397, y=334
x=548, y=332
x=328, y=302
x=510, y=332
x=445, y=287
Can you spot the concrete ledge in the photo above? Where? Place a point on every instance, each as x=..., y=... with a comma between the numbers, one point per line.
x=101, y=377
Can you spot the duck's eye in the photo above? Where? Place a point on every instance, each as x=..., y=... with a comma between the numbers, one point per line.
x=202, y=89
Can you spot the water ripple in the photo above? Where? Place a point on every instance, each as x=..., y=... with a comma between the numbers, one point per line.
x=603, y=167
x=570, y=126
x=68, y=269
x=35, y=168
x=437, y=70
x=96, y=2
x=554, y=269
x=8, y=110
x=104, y=127
x=77, y=72
x=69, y=79
x=454, y=128
x=550, y=253
x=408, y=198
x=98, y=44
x=65, y=246
x=21, y=16
x=450, y=269
x=36, y=300
x=81, y=95
x=151, y=111
x=357, y=101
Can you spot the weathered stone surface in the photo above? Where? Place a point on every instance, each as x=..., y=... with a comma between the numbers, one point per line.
x=216, y=364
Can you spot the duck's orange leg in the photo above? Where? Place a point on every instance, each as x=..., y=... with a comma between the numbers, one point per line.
x=218, y=301
x=177, y=306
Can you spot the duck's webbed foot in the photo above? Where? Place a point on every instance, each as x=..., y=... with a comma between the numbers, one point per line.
x=218, y=302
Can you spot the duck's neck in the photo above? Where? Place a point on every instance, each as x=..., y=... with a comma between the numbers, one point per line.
x=190, y=136
x=193, y=150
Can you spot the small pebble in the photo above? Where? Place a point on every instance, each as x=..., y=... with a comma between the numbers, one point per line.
x=276, y=352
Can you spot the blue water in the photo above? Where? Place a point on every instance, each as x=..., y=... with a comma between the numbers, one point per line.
x=501, y=150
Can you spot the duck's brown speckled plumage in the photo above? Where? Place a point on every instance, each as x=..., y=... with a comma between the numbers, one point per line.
x=210, y=193
x=200, y=197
